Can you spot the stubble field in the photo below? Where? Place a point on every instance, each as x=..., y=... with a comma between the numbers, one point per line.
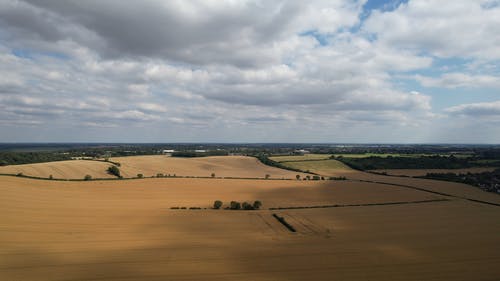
x=125, y=230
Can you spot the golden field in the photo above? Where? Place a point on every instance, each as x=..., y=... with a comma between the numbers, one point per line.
x=150, y=166
x=125, y=230
x=221, y=166
x=71, y=169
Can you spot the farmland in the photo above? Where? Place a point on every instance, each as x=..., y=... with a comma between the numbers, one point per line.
x=369, y=227
x=152, y=165
x=423, y=172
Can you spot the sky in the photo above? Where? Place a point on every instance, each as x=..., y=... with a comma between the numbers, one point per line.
x=335, y=71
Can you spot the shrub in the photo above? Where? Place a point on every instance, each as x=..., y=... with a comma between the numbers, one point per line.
x=316, y=178
x=297, y=177
x=114, y=171
x=140, y=176
x=87, y=177
x=246, y=206
x=217, y=204
x=159, y=175
x=257, y=204
x=213, y=175
x=51, y=177
x=235, y=205
x=268, y=176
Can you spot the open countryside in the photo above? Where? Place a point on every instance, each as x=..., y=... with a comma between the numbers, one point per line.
x=160, y=227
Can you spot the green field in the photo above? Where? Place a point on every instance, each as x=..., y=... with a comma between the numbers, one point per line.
x=305, y=157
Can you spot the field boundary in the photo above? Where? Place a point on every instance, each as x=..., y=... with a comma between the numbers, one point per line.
x=360, y=205
x=435, y=192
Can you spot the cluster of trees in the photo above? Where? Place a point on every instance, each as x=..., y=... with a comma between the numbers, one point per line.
x=488, y=181
x=16, y=158
x=235, y=205
x=422, y=162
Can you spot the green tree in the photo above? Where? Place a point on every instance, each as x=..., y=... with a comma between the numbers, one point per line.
x=217, y=204
x=213, y=175
x=246, y=206
x=114, y=171
x=297, y=177
x=140, y=176
x=257, y=204
x=87, y=177
x=235, y=205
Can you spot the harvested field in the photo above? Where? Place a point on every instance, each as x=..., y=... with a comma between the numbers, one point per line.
x=336, y=169
x=323, y=167
x=221, y=166
x=124, y=230
x=72, y=169
x=423, y=172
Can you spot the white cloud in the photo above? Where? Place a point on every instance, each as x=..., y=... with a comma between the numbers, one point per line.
x=460, y=80
x=483, y=109
x=466, y=29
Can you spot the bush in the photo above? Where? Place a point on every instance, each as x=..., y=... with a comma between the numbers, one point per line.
x=316, y=178
x=217, y=204
x=235, y=205
x=213, y=175
x=297, y=177
x=257, y=204
x=114, y=171
x=87, y=177
x=246, y=206
x=51, y=177
x=140, y=176
x=159, y=175
x=268, y=176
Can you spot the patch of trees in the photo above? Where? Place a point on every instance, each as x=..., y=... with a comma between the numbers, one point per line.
x=113, y=170
x=16, y=158
x=422, y=162
x=488, y=181
x=235, y=205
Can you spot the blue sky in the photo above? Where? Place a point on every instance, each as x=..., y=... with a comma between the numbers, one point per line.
x=250, y=71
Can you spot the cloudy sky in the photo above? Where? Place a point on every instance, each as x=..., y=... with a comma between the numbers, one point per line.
x=250, y=71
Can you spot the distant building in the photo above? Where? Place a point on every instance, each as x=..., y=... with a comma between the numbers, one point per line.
x=200, y=150
x=301, y=151
x=168, y=151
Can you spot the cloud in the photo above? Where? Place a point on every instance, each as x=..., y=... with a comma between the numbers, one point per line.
x=217, y=69
x=484, y=109
x=467, y=29
x=460, y=80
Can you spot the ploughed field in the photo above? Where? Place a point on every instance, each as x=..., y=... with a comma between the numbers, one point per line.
x=345, y=230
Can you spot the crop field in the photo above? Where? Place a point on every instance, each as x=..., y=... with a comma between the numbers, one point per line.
x=423, y=172
x=344, y=230
x=221, y=166
x=72, y=169
x=148, y=166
